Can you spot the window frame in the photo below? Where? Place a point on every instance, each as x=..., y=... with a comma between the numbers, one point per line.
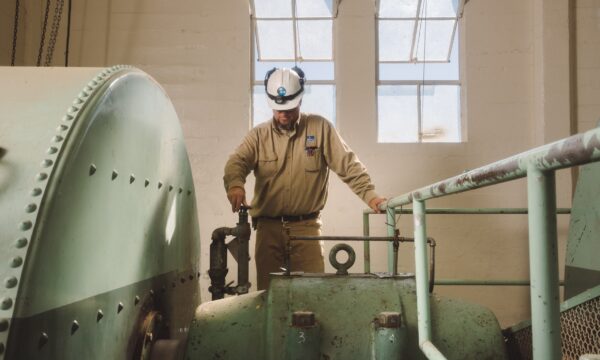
x=414, y=60
x=294, y=19
x=298, y=60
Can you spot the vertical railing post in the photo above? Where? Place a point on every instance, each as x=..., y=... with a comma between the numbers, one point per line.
x=543, y=265
x=391, y=231
x=366, y=244
x=421, y=271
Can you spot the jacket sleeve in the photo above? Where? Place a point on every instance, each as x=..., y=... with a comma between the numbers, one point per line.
x=241, y=162
x=344, y=162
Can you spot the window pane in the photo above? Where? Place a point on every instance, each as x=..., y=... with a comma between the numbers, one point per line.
x=261, y=109
x=414, y=71
x=441, y=8
x=275, y=39
x=314, y=37
x=397, y=113
x=322, y=70
x=317, y=99
x=314, y=8
x=273, y=9
x=441, y=115
x=397, y=8
x=395, y=39
x=438, y=34
x=320, y=99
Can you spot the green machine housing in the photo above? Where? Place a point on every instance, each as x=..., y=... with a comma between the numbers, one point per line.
x=100, y=247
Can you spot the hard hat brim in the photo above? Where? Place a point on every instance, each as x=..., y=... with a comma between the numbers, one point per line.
x=288, y=105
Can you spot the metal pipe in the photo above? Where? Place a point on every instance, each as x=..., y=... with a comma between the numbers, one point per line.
x=475, y=211
x=421, y=277
x=350, y=238
x=242, y=233
x=469, y=282
x=543, y=264
x=467, y=211
x=218, y=263
x=239, y=247
x=431, y=351
x=366, y=244
x=391, y=231
x=574, y=150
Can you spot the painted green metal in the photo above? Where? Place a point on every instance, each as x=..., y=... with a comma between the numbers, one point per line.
x=466, y=211
x=471, y=282
x=391, y=231
x=582, y=268
x=388, y=342
x=575, y=150
x=422, y=279
x=257, y=325
x=303, y=342
x=86, y=230
x=543, y=263
x=366, y=244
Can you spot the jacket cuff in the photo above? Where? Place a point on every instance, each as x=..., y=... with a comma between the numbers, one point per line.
x=235, y=183
x=370, y=195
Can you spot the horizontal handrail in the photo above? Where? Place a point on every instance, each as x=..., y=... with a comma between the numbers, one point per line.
x=538, y=165
x=467, y=211
x=575, y=150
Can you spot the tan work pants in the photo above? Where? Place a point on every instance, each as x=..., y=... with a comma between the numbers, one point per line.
x=306, y=256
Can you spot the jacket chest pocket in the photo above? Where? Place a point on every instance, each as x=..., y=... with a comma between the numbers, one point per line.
x=312, y=159
x=267, y=165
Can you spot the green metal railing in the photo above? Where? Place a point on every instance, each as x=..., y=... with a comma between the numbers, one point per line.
x=538, y=165
x=391, y=224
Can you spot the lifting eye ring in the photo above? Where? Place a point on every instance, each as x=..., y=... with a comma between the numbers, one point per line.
x=342, y=269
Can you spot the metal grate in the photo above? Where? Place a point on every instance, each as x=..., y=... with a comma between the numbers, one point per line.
x=580, y=333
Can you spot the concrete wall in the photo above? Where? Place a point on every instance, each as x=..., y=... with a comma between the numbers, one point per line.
x=587, y=50
x=515, y=63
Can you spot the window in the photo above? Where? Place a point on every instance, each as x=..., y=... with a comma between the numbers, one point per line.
x=290, y=33
x=418, y=87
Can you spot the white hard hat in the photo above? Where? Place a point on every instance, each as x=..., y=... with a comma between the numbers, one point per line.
x=284, y=88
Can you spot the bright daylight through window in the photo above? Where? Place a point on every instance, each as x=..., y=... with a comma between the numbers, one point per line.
x=418, y=87
x=295, y=32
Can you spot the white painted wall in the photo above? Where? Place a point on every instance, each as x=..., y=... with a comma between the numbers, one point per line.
x=514, y=69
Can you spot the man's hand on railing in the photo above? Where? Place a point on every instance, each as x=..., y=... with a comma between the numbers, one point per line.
x=374, y=203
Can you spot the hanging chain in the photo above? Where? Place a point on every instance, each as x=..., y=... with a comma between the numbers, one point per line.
x=41, y=50
x=54, y=31
x=15, y=32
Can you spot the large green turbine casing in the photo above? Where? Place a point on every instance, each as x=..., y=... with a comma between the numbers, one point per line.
x=582, y=268
x=99, y=227
x=259, y=325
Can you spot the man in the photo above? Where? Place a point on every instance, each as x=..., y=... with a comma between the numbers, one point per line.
x=291, y=157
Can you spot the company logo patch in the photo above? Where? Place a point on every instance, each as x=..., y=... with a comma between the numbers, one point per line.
x=311, y=140
x=281, y=91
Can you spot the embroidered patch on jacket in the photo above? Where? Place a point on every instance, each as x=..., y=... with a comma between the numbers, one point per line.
x=311, y=141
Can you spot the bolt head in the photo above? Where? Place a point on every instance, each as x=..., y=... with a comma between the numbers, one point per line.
x=303, y=319
x=389, y=319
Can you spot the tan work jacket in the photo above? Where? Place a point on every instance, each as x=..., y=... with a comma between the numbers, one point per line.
x=292, y=168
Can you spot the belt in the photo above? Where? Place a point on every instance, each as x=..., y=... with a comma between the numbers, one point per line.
x=292, y=218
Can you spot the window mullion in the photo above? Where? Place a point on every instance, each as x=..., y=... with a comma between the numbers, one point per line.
x=419, y=113
x=415, y=29
x=257, y=40
x=295, y=31
x=452, y=40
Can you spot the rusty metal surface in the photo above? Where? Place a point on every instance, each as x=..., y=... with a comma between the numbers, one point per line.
x=582, y=268
x=580, y=332
x=575, y=150
x=346, y=310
